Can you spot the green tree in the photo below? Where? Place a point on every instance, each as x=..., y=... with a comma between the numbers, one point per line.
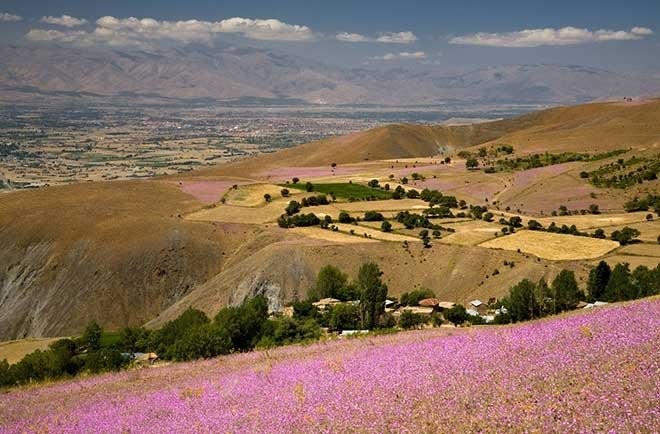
x=292, y=208
x=523, y=303
x=457, y=315
x=645, y=282
x=599, y=276
x=566, y=292
x=409, y=320
x=344, y=316
x=91, y=337
x=203, y=341
x=162, y=340
x=386, y=226
x=372, y=294
x=330, y=282
x=471, y=163
x=244, y=323
x=625, y=235
x=619, y=284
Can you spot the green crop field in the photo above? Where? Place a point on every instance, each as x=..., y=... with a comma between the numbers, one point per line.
x=345, y=190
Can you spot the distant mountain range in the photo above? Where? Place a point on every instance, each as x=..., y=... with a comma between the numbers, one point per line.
x=230, y=73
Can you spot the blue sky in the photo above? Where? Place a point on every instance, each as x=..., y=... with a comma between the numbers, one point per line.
x=386, y=33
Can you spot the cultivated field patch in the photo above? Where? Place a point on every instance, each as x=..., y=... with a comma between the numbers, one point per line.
x=553, y=246
x=207, y=191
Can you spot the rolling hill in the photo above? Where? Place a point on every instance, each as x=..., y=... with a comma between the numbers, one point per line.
x=127, y=253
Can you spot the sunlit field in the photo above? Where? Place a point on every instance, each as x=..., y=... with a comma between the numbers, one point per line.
x=592, y=371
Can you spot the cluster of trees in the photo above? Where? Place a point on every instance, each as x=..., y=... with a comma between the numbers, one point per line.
x=651, y=201
x=302, y=220
x=619, y=283
x=64, y=358
x=541, y=160
x=623, y=236
x=528, y=300
x=368, y=294
x=564, y=211
x=317, y=200
x=614, y=175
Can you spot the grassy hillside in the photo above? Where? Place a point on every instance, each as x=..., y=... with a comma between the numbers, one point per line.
x=126, y=252
x=589, y=371
x=589, y=127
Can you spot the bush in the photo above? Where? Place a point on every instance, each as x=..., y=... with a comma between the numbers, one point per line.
x=285, y=192
x=386, y=226
x=625, y=235
x=344, y=316
x=409, y=320
x=292, y=208
x=373, y=216
x=457, y=315
x=345, y=217
x=413, y=297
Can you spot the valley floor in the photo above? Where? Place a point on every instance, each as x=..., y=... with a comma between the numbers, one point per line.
x=589, y=371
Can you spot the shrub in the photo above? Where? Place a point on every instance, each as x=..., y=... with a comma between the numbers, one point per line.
x=409, y=320
x=345, y=217
x=373, y=216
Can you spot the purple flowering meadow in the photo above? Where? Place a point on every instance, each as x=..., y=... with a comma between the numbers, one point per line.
x=594, y=371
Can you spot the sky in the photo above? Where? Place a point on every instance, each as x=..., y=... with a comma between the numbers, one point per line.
x=458, y=34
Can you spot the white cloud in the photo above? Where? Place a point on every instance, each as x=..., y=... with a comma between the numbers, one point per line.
x=7, y=17
x=549, y=36
x=401, y=55
x=143, y=32
x=40, y=35
x=387, y=38
x=397, y=38
x=64, y=21
x=352, y=37
x=265, y=29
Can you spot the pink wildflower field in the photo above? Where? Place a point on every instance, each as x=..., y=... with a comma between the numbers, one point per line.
x=592, y=371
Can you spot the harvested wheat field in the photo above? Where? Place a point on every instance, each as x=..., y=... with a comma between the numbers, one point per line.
x=14, y=351
x=556, y=247
x=332, y=236
x=632, y=260
x=583, y=222
x=253, y=195
x=375, y=234
x=470, y=233
x=641, y=250
x=243, y=214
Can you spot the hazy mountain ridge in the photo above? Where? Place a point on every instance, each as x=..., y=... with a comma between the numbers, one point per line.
x=226, y=73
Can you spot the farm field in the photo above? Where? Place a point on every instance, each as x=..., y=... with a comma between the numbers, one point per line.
x=343, y=190
x=543, y=376
x=14, y=351
x=470, y=233
x=553, y=246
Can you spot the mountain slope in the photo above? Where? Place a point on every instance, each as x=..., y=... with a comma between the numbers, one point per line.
x=222, y=73
x=588, y=127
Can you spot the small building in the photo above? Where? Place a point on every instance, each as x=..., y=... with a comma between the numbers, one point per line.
x=479, y=306
x=444, y=305
x=324, y=303
x=429, y=302
x=419, y=310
